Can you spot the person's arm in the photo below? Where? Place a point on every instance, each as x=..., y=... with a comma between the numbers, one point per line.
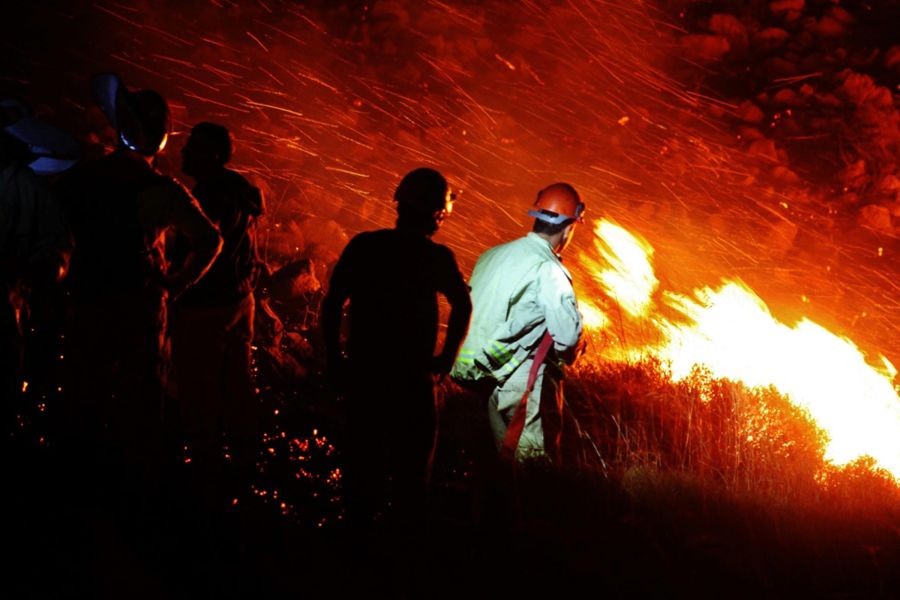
x=454, y=288
x=177, y=210
x=332, y=312
x=556, y=296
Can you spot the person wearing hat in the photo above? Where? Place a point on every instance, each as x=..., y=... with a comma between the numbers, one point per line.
x=34, y=245
x=120, y=210
x=391, y=279
x=525, y=327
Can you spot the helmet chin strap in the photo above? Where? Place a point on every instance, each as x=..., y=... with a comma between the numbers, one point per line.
x=568, y=232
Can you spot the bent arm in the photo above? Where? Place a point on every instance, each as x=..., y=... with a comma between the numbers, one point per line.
x=456, y=291
x=183, y=214
x=333, y=305
x=557, y=297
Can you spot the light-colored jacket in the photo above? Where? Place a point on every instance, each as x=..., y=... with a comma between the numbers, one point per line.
x=520, y=290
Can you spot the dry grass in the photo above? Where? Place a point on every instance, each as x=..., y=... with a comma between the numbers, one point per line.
x=742, y=441
x=702, y=488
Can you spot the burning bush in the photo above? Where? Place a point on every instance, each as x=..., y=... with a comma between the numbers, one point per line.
x=748, y=440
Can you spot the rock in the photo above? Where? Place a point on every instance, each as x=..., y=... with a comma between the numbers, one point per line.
x=393, y=11
x=890, y=184
x=792, y=16
x=780, y=7
x=786, y=96
x=705, y=48
x=853, y=175
x=780, y=67
x=839, y=14
x=847, y=199
x=876, y=217
x=770, y=38
x=731, y=28
x=892, y=58
x=802, y=42
x=750, y=133
x=860, y=88
x=764, y=148
x=827, y=26
x=750, y=112
x=786, y=175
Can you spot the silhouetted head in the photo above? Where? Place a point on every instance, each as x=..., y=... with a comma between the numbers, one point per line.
x=556, y=210
x=141, y=119
x=423, y=201
x=207, y=151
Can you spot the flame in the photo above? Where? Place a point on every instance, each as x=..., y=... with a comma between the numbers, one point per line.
x=593, y=317
x=731, y=332
x=629, y=277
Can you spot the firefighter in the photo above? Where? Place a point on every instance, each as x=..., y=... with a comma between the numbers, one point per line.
x=120, y=209
x=525, y=327
x=211, y=325
x=391, y=279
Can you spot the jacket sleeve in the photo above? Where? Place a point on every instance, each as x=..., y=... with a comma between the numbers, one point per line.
x=557, y=298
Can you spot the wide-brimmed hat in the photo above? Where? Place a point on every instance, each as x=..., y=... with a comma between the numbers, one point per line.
x=141, y=118
x=52, y=150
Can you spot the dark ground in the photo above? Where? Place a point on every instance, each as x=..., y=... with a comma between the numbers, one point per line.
x=632, y=535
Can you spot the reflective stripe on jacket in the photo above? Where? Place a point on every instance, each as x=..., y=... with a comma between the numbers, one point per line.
x=519, y=290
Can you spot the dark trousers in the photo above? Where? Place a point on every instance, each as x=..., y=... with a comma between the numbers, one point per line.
x=391, y=428
x=110, y=433
x=210, y=348
x=113, y=398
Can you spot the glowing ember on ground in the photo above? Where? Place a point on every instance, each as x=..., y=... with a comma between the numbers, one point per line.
x=731, y=332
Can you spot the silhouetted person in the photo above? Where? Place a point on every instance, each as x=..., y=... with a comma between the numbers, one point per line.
x=391, y=278
x=211, y=325
x=34, y=241
x=120, y=209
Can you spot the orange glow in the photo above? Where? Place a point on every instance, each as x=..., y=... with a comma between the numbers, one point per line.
x=628, y=276
x=593, y=317
x=731, y=332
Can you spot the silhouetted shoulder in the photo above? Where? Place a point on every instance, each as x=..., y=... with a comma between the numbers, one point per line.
x=444, y=254
x=450, y=280
x=444, y=257
x=363, y=243
x=230, y=192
